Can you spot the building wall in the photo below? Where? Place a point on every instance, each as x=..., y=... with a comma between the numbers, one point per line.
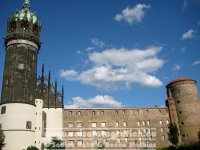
x=54, y=124
x=132, y=122
x=14, y=125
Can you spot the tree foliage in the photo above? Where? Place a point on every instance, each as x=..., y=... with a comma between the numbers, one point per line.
x=173, y=134
x=55, y=144
x=2, y=139
x=32, y=148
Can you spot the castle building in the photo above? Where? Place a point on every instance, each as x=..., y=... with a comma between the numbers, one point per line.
x=32, y=109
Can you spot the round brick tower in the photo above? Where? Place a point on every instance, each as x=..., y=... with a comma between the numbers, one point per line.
x=187, y=104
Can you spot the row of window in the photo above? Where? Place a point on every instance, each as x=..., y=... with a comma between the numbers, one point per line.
x=116, y=112
x=117, y=133
x=117, y=123
x=104, y=141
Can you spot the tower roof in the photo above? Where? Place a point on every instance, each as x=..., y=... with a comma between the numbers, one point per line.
x=25, y=14
x=179, y=80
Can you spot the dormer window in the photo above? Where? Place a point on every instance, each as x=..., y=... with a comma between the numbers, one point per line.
x=24, y=26
x=13, y=26
x=35, y=28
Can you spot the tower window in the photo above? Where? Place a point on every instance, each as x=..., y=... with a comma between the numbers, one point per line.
x=28, y=125
x=3, y=110
x=21, y=66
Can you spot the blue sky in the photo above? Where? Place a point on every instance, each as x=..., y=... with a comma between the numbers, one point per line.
x=116, y=53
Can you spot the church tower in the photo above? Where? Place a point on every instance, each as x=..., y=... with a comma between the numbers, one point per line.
x=22, y=44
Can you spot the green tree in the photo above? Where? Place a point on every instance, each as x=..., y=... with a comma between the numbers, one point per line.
x=2, y=139
x=32, y=148
x=173, y=134
x=101, y=146
x=55, y=144
x=198, y=136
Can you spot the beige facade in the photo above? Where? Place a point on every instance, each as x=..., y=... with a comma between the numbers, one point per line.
x=116, y=128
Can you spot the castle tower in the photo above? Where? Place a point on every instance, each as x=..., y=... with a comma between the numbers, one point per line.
x=17, y=105
x=184, y=108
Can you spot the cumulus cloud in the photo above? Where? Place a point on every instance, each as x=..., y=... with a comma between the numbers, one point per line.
x=176, y=67
x=196, y=63
x=98, y=101
x=98, y=43
x=133, y=15
x=119, y=68
x=68, y=74
x=188, y=35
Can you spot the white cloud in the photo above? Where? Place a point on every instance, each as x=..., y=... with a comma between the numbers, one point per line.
x=176, y=67
x=196, y=63
x=68, y=74
x=98, y=43
x=133, y=15
x=119, y=68
x=79, y=52
x=183, y=49
x=188, y=35
x=98, y=101
x=89, y=49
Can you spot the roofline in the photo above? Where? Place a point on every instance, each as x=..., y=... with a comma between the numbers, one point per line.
x=114, y=108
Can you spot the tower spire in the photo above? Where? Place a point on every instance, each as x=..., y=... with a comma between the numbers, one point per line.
x=26, y=4
x=42, y=82
x=49, y=87
x=55, y=92
x=62, y=98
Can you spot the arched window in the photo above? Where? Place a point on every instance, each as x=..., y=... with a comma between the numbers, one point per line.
x=44, y=124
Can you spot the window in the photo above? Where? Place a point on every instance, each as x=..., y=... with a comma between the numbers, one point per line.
x=182, y=123
x=161, y=129
x=148, y=122
x=117, y=123
x=143, y=123
x=80, y=125
x=126, y=140
x=161, y=122
x=70, y=134
x=163, y=137
x=103, y=124
x=102, y=112
x=104, y=141
x=103, y=133
x=137, y=112
x=71, y=142
x=94, y=125
x=138, y=123
x=28, y=125
x=126, y=133
x=70, y=125
x=70, y=112
x=80, y=142
x=93, y=113
x=94, y=133
x=79, y=113
x=125, y=123
x=123, y=112
x=167, y=121
x=21, y=66
x=44, y=124
x=117, y=133
x=118, y=140
x=3, y=110
x=79, y=133
x=94, y=142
